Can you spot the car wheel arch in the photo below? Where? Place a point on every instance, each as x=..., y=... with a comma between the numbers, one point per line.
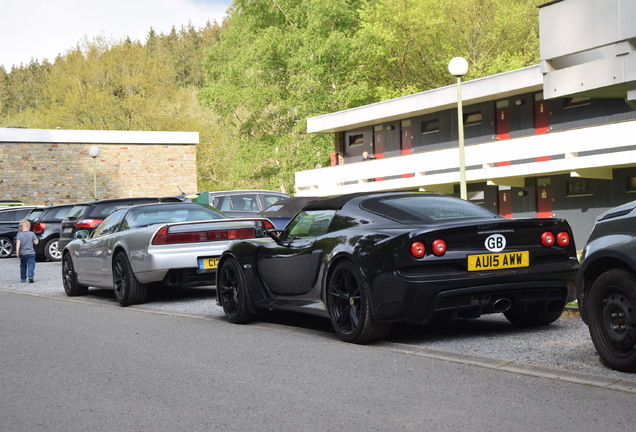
x=592, y=269
x=333, y=264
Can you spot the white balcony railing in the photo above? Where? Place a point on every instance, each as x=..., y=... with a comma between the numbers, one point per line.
x=614, y=146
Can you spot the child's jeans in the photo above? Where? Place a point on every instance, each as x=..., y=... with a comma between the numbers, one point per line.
x=27, y=263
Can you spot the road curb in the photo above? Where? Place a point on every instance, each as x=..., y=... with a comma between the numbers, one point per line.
x=592, y=380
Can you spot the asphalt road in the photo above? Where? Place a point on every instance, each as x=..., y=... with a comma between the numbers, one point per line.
x=89, y=366
x=562, y=351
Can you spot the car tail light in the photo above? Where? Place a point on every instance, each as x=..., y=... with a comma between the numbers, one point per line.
x=563, y=239
x=38, y=228
x=439, y=247
x=418, y=249
x=88, y=223
x=267, y=224
x=547, y=239
x=163, y=237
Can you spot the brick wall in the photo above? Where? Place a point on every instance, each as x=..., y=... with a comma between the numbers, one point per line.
x=56, y=172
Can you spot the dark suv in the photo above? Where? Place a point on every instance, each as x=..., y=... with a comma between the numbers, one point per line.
x=606, y=287
x=46, y=223
x=10, y=218
x=86, y=216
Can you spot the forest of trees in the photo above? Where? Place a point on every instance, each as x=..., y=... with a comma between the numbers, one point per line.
x=248, y=84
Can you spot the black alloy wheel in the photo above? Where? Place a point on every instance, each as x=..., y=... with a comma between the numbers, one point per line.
x=128, y=290
x=6, y=247
x=231, y=291
x=612, y=319
x=72, y=288
x=349, y=306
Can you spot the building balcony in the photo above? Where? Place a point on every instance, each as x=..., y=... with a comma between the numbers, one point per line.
x=590, y=152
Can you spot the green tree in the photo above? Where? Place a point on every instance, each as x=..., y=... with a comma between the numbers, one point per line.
x=406, y=44
x=278, y=62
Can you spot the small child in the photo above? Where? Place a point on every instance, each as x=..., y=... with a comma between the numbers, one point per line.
x=24, y=242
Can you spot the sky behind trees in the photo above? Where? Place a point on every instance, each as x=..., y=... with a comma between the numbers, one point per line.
x=44, y=29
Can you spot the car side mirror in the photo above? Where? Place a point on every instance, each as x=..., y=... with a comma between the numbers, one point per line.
x=81, y=234
x=273, y=233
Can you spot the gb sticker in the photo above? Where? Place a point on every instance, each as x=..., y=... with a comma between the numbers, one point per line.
x=495, y=243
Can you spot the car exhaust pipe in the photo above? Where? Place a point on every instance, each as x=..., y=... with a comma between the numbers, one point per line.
x=501, y=305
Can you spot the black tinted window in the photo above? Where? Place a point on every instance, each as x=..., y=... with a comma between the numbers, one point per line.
x=78, y=212
x=425, y=209
x=312, y=223
x=14, y=215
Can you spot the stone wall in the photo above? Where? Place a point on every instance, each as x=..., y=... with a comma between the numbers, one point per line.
x=41, y=173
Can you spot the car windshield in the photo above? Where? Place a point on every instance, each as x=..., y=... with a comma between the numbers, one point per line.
x=425, y=209
x=157, y=214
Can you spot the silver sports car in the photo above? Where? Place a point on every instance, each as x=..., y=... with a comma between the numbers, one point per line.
x=175, y=244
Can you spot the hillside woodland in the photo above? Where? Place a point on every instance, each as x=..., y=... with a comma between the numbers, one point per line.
x=248, y=84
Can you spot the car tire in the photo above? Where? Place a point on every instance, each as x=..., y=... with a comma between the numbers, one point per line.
x=348, y=303
x=128, y=290
x=231, y=290
x=69, y=278
x=536, y=318
x=611, y=309
x=6, y=247
x=51, y=250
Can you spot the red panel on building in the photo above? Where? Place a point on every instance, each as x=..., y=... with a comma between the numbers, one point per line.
x=544, y=202
x=504, y=204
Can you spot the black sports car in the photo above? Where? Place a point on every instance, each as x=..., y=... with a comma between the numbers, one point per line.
x=368, y=260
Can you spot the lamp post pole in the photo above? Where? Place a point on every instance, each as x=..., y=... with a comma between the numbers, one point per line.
x=458, y=67
x=94, y=152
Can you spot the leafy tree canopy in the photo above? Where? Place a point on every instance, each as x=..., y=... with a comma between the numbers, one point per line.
x=249, y=84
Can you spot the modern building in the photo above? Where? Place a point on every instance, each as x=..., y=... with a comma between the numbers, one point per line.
x=52, y=166
x=555, y=139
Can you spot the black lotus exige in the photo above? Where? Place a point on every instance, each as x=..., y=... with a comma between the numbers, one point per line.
x=368, y=260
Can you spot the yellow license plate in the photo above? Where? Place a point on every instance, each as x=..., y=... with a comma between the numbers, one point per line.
x=498, y=261
x=208, y=263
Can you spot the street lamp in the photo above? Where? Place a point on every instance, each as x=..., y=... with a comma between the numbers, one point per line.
x=94, y=152
x=458, y=66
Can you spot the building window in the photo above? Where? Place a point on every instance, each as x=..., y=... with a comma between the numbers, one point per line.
x=476, y=197
x=430, y=126
x=579, y=187
x=472, y=118
x=631, y=184
x=355, y=140
x=573, y=102
x=502, y=104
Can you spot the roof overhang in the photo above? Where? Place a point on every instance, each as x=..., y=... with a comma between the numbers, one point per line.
x=490, y=88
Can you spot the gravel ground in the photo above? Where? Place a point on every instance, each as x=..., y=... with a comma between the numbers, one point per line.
x=565, y=346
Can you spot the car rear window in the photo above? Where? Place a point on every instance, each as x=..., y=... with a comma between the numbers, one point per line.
x=35, y=215
x=57, y=214
x=425, y=209
x=151, y=215
x=78, y=212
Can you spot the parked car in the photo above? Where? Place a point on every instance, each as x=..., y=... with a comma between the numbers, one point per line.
x=175, y=244
x=46, y=223
x=10, y=218
x=88, y=215
x=241, y=203
x=606, y=287
x=368, y=260
x=281, y=212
